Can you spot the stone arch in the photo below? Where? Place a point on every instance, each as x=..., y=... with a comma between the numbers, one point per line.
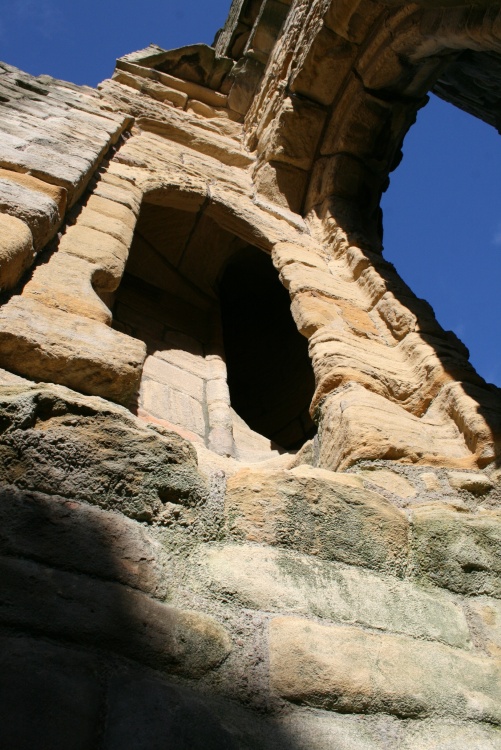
x=340, y=92
x=188, y=247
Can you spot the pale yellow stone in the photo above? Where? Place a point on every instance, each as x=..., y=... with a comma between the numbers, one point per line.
x=112, y=209
x=164, y=372
x=16, y=250
x=349, y=670
x=318, y=513
x=477, y=483
x=105, y=252
x=164, y=402
x=431, y=481
x=41, y=342
x=359, y=425
x=391, y=481
x=65, y=282
x=114, y=227
x=54, y=192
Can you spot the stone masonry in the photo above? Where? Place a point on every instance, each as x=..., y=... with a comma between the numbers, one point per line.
x=250, y=488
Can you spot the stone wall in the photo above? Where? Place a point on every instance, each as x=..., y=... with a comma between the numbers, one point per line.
x=191, y=559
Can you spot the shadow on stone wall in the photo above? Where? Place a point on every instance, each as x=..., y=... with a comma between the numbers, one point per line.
x=89, y=654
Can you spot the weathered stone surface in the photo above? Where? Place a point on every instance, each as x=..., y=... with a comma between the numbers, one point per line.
x=44, y=343
x=108, y=615
x=99, y=248
x=357, y=424
x=58, y=442
x=65, y=283
x=38, y=210
x=77, y=537
x=322, y=730
x=319, y=514
x=279, y=581
x=16, y=250
x=55, y=132
x=450, y=735
x=293, y=136
x=178, y=407
x=457, y=550
x=390, y=481
x=486, y=616
x=349, y=670
x=477, y=483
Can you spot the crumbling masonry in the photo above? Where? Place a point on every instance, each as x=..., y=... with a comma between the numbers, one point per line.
x=250, y=488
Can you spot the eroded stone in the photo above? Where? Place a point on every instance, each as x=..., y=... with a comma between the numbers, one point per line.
x=349, y=670
x=319, y=514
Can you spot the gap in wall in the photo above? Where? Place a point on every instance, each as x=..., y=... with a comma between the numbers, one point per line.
x=442, y=226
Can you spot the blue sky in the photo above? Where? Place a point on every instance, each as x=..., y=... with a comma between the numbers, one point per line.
x=442, y=212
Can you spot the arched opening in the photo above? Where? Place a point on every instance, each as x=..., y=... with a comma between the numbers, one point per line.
x=442, y=225
x=204, y=300
x=270, y=377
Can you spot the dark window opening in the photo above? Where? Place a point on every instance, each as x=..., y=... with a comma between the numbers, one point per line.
x=196, y=293
x=270, y=377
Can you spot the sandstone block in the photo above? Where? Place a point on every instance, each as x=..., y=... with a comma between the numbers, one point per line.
x=356, y=424
x=65, y=283
x=114, y=227
x=390, y=481
x=42, y=342
x=476, y=483
x=286, y=252
x=312, y=310
x=317, y=515
x=108, y=615
x=150, y=88
x=36, y=209
x=293, y=135
x=459, y=551
x=105, y=252
x=56, y=194
x=163, y=372
x=278, y=581
x=326, y=64
x=486, y=614
x=281, y=184
x=177, y=407
x=220, y=147
x=16, y=250
x=59, y=442
x=77, y=537
x=349, y=670
x=112, y=209
x=124, y=195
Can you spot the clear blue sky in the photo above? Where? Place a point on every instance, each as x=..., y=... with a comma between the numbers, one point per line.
x=442, y=212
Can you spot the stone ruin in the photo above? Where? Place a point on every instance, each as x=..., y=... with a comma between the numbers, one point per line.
x=250, y=487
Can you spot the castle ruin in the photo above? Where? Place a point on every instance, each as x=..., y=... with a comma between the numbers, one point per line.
x=250, y=488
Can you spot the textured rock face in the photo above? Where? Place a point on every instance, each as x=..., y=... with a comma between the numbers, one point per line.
x=314, y=511
x=174, y=573
x=57, y=442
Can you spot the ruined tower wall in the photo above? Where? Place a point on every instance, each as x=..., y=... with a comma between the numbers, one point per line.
x=178, y=574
